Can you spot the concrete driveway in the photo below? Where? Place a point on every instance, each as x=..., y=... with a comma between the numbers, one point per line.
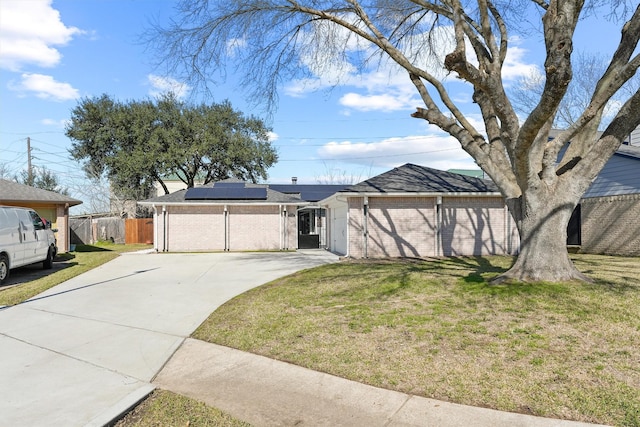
x=84, y=351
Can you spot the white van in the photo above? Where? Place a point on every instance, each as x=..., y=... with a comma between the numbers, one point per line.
x=24, y=239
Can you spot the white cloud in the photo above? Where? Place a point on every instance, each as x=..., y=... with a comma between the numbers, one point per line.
x=162, y=85
x=384, y=102
x=433, y=150
x=515, y=65
x=385, y=86
x=57, y=123
x=331, y=60
x=273, y=136
x=30, y=30
x=45, y=87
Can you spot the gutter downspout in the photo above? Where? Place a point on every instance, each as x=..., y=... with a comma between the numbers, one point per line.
x=280, y=225
x=286, y=228
x=155, y=227
x=365, y=227
x=507, y=231
x=226, y=229
x=67, y=240
x=438, y=226
x=165, y=215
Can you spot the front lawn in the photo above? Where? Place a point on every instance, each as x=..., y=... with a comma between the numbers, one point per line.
x=436, y=328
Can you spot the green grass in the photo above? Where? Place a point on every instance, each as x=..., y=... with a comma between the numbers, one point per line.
x=163, y=408
x=66, y=266
x=437, y=328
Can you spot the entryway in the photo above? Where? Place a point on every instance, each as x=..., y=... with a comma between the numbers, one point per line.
x=311, y=229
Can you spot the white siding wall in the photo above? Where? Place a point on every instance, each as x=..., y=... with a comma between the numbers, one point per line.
x=635, y=137
x=338, y=229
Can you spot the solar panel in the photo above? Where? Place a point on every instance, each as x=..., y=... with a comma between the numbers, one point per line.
x=229, y=184
x=308, y=192
x=195, y=193
x=226, y=193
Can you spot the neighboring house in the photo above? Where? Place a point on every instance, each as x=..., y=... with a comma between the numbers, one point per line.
x=415, y=211
x=173, y=184
x=607, y=220
x=609, y=213
x=49, y=205
x=233, y=215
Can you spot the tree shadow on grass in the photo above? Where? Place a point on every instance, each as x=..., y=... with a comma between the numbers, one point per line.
x=484, y=269
x=91, y=248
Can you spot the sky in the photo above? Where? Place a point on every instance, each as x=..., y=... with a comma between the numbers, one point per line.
x=55, y=53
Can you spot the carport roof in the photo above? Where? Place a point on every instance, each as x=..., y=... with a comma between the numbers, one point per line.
x=411, y=178
x=12, y=192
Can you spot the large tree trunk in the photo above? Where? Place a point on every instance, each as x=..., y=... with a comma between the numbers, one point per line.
x=542, y=223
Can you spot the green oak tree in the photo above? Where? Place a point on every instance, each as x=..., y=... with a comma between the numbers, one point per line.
x=138, y=143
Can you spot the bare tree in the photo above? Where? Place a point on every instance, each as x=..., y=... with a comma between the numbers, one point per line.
x=5, y=172
x=42, y=178
x=334, y=175
x=274, y=40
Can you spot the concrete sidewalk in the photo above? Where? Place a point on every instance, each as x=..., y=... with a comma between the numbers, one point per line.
x=266, y=392
x=86, y=350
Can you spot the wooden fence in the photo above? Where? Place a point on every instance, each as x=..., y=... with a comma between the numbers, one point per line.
x=138, y=230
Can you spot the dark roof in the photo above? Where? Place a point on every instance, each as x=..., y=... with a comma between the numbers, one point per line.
x=404, y=179
x=309, y=192
x=272, y=196
x=19, y=193
x=412, y=178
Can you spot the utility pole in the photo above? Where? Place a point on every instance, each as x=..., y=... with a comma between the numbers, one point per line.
x=29, y=171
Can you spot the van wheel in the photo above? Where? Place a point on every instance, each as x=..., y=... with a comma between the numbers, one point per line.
x=4, y=268
x=48, y=262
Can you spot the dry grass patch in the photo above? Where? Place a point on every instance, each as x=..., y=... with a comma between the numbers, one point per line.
x=436, y=328
x=163, y=408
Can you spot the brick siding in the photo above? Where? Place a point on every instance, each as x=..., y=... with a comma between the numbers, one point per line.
x=408, y=226
x=202, y=228
x=611, y=225
x=401, y=226
x=195, y=228
x=473, y=226
x=254, y=228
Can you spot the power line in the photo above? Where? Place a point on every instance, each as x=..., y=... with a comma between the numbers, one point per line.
x=368, y=157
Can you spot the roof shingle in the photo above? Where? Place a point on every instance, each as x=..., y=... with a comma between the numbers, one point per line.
x=19, y=193
x=411, y=178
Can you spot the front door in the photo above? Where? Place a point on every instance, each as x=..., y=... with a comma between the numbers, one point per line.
x=308, y=237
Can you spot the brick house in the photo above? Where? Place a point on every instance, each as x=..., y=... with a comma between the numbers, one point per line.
x=609, y=212
x=409, y=211
x=415, y=211
x=48, y=204
x=233, y=215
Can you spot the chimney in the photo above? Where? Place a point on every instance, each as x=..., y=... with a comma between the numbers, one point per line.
x=294, y=180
